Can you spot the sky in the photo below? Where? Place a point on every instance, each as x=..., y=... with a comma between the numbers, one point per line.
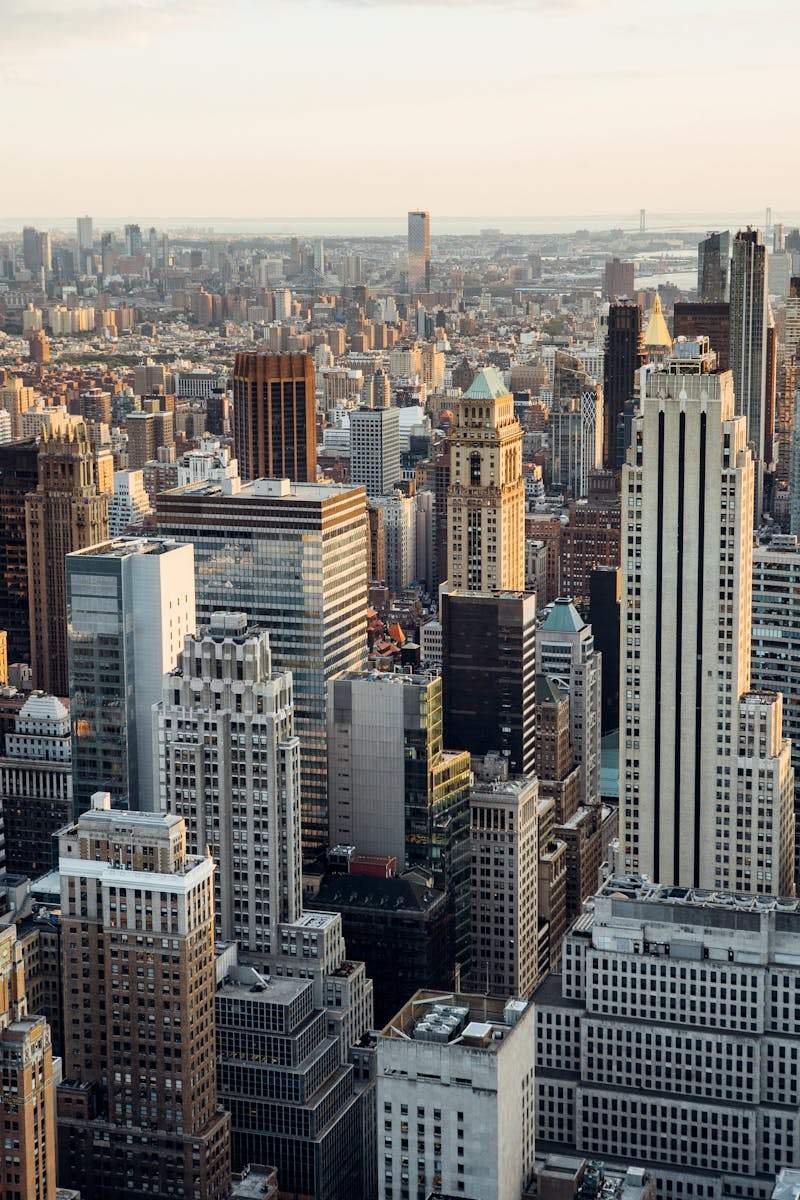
x=347, y=108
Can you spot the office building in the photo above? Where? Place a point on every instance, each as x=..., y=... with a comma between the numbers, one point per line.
x=455, y=1093
x=137, y=1111
x=27, y=1107
x=85, y=234
x=394, y=789
x=565, y=651
x=624, y=355
x=35, y=784
x=147, y=431
x=19, y=475
x=713, y=270
x=669, y=1040
x=375, y=449
x=749, y=315
x=398, y=521
x=294, y=557
x=775, y=640
x=67, y=512
x=133, y=239
x=576, y=426
x=503, y=832
x=36, y=250
x=227, y=761
x=419, y=252
x=130, y=604
x=274, y=416
x=706, y=319
x=618, y=279
x=604, y=618
x=489, y=675
x=687, y=731
x=486, y=496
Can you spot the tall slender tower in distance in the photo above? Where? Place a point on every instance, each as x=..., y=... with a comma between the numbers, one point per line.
x=713, y=268
x=274, y=416
x=749, y=320
x=419, y=252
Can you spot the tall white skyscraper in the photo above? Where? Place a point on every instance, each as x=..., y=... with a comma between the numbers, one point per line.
x=375, y=449
x=419, y=252
x=689, y=734
x=227, y=761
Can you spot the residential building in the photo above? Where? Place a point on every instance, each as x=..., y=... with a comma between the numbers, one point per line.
x=130, y=603
x=618, y=279
x=274, y=416
x=130, y=503
x=67, y=512
x=668, y=1041
x=137, y=1111
x=227, y=761
x=456, y=1096
x=294, y=557
x=35, y=784
x=687, y=733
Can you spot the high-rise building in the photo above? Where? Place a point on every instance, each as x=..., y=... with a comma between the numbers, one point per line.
x=486, y=497
x=85, y=242
x=456, y=1083
x=624, y=355
x=129, y=604
x=749, y=315
x=713, y=270
x=399, y=524
x=36, y=250
x=274, y=416
x=394, y=789
x=618, y=279
x=504, y=903
x=137, y=1111
x=375, y=449
x=775, y=640
x=653, y=1049
x=693, y=739
x=27, y=1108
x=294, y=557
x=130, y=503
x=706, y=319
x=576, y=425
x=133, y=239
x=227, y=761
x=35, y=784
x=565, y=651
x=419, y=252
x=147, y=431
x=19, y=475
x=67, y=512
x=604, y=618
x=489, y=675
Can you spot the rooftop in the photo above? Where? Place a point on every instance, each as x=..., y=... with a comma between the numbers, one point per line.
x=487, y=385
x=127, y=547
x=269, y=489
x=469, y=1021
x=563, y=617
x=369, y=891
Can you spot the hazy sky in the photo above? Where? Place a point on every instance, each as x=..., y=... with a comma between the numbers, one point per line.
x=370, y=107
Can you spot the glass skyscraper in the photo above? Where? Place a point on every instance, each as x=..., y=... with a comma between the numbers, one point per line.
x=419, y=252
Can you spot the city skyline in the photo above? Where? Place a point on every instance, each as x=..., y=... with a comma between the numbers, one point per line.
x=590, y=60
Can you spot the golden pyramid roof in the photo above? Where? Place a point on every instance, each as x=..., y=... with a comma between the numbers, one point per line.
x=657, y=333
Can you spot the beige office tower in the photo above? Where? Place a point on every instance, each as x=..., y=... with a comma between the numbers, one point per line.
x=504, y=897
x=685, y=756
x=137, y=1111
x=419, y=252
x=67, y=512
x=228, y=762
x=486, y=497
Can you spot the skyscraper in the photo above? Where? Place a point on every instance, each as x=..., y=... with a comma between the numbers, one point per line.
x=486, y=497
x=133, y=239
x=19, y=475
x=129, y=605
x=375, y=449
x=713, y=269
x=698, y=752
x=749, y=315
x=137, y=1111
x=67, y=512
x=294, y=557
x=419, y=252
x=27, y=1105
x=624, y=355
x=393, y=787
x=85, y=238
x=227, y=761
x=618, y=279
x=576, y=425
x=274, y=416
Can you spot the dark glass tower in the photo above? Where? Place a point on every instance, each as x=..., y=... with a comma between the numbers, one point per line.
x=625, y=353
x=19, y=474
x=713, y=268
